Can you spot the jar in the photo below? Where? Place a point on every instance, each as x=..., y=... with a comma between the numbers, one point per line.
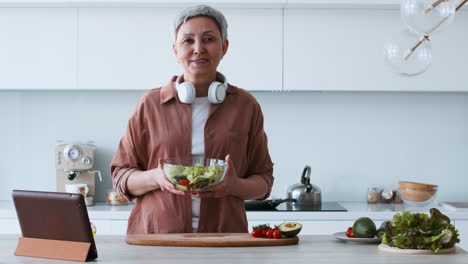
x=372, y=195
x=113, y=198
x=93, y=228
x=397, y=197
x=386, y=196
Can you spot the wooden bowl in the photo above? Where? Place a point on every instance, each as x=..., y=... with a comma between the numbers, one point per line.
x=415, y=192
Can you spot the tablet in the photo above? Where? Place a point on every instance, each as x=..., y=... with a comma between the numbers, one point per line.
x=54, y=215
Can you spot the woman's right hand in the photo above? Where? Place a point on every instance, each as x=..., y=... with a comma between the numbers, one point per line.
x=159, y=179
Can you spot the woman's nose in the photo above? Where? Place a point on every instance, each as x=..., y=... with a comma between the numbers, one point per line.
x=199, y=47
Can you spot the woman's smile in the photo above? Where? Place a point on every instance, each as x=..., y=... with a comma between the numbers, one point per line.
x=199, y=62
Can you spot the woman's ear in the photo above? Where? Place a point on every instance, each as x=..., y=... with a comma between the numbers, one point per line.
x=225, y=46
x=174, y=49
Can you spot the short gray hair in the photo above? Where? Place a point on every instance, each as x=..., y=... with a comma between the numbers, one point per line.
x=202, y=10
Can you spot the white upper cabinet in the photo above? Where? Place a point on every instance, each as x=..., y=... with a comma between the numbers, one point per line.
x=125, y=48
x=131, y=48
x=254, y=59
x=275, y=45
x=38, y=48
x=343, y=50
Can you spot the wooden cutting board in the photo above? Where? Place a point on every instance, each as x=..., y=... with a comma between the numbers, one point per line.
x=390, y=249
x=207, y=240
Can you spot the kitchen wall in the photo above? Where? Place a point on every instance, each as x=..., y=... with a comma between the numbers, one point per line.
x=350, y=139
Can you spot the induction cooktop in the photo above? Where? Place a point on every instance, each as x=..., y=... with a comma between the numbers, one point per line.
x=324, y=207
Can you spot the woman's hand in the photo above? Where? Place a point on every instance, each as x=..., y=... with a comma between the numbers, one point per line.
x=221, y=189
x=159, y=179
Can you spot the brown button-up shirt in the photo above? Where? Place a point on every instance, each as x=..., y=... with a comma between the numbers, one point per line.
x=161, y=127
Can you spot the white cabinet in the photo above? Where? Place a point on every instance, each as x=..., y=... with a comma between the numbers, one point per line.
x=462, y=226
x=38, y=48
x=342, y=50
x=9, y=226
x=131, y=48
x=103, y=227
x=110, y=227
x=254, y=58
x=119, y=227
x=325, y=227
x=125, y=48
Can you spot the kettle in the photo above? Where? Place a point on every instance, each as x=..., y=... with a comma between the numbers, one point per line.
x=305, y=193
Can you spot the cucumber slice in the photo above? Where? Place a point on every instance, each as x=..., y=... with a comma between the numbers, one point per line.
x=181, y=187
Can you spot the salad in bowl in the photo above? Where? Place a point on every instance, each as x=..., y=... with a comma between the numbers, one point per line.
x=195, y=174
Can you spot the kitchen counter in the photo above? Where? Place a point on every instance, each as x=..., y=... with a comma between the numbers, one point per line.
x=379, y=211
x=316, y=249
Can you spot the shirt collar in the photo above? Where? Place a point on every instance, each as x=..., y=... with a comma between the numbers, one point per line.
x=169, y=92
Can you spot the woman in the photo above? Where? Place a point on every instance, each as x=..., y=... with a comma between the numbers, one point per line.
x=195, y=114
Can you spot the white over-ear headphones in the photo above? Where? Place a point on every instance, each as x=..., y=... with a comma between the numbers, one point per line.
x=216, y=91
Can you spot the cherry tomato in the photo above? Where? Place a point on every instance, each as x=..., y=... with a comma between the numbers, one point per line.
x=264, y=232
x=184, y=183
x=257, y=233
x=349, y=232
x=277, y=234
x=269, y=233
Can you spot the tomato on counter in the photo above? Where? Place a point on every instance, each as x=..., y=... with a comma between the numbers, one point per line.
x=257, y=233
x=277, y=234
x=349, y=232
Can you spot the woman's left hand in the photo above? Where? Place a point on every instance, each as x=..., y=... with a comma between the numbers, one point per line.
x=229, y=181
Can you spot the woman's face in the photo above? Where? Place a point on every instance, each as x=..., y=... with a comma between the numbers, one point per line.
x=199, y=46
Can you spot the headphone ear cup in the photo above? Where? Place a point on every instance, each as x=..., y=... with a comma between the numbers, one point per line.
x=216, y=93
x=186, y=92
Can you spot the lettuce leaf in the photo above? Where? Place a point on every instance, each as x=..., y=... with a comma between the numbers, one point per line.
x=410, y=230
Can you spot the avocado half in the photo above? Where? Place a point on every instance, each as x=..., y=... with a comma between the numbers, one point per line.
x=290, y=229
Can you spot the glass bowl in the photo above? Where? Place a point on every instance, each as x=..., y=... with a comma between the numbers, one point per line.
x=415, y=193
x=195, y=174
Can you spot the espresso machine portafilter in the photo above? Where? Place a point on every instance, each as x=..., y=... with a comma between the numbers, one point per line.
x=75, y=164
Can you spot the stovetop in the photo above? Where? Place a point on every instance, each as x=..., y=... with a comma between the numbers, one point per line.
x=324, y=207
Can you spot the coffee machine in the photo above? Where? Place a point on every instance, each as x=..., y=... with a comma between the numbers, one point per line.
x=75, y=163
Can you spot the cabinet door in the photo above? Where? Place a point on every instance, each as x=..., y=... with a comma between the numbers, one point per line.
x=37, y=48
x=462, y=226
x=125, y=48
x=9, y=226
x=324, y=227
x=131, y=48
x=254, y=59
x=103, y=227
x=343, y=50
x=119, y=227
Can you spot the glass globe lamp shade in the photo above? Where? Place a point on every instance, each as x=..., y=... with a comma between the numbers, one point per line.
x=425, y=16
x=404, y=58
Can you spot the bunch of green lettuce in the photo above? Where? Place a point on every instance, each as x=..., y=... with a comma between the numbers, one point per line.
x=419, y=231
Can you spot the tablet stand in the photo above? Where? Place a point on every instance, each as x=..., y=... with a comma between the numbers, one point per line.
x=52, y=249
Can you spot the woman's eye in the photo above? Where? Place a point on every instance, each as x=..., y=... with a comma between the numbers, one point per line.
x=209, y=39
x=188, y=41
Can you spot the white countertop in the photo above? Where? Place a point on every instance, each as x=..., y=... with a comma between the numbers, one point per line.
x=379, y=211
x=310, y=249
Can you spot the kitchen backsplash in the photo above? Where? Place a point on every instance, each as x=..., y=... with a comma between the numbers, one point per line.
x=351, y=140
